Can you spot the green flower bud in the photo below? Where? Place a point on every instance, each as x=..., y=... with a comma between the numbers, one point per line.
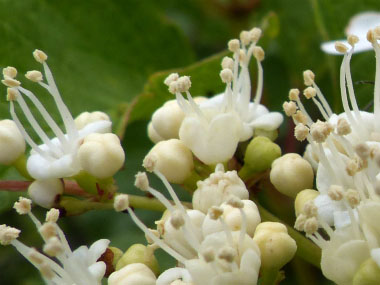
x=272, y=135
x=368, y=273
x=117, y=254
x=259, y=156
x=139, y=253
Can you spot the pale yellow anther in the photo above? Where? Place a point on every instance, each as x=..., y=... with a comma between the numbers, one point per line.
x=245, y=37
x=12, y=94
x=10, y=72
x=155, y=233
x=183, y=84
x=335, y=192
x=311, y=225
x=343, y=127
x=10, y=82
x=209, y=255
x=301, y=132
x=352, y=197
x=299, y=225
x=255, y=34
x=121, y=202
x=309, y=209
x=341, y=47
x=227, y=62
x=215, y=212
x=290, y=108
x=294, y=94
x=48, y=230
x=242, y=57
x=23, y=206
x=352, y=40
x=52, y=215
x=226, y=75
x=39, y=56
x=150, y=162
x=53, y=247
x=352, y=167
x=362, y=150
x=173, y=87
x=141, y=181
x=320, y=131
x=370, y=36
x=8, y=234
x=235, y=202
x=234, y=45
x=171, y=78
x=300, y=117
x=177, y=220
x=34, y=75
x=227, y=253
x=258, y=53
x=308, y=77
x=310, y=92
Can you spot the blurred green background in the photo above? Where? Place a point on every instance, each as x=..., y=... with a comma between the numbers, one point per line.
x=112, y=55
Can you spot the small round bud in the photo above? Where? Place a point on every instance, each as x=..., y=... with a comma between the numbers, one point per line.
x=138, y=253
x=352, y=40
x=226, y=75
x=276, y=246
x=152, y=134
x=171, y=78
x=173, y=159
x=343, y=127
x=227, y=63
x=133, y=274
x=290, y=108
x=302, y=198
x=341, y=47
x=12, y=143
x=260, y=154
x=10, y=72
x=45, y=192
x=301, y=132
x=310, y=92
x=294, y=94
x=291, y=173
x=101, y=155
x=258, y=53
x=39, y=56
x=234, y=45
x=121, y=202
x=255, y=34
x=23, y=206
x=34, y=75
x=87, y=118
x=308, y=77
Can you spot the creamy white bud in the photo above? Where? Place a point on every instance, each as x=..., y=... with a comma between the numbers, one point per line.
x=133, y=274
x=291, y=173
x=101, y=155
x=152, y=134
x=12, y=143
x=173, y=159
x=87, y=118
x=44, y=192
x=276, y=246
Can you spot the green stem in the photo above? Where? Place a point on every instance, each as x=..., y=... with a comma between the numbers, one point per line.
x=306, y=249
x=269, y=276
x=20, y=165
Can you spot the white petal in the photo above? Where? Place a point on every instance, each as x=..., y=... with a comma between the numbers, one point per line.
x=362, y=22
x=342, y=218
x=100, y=127
x=98, y=270
x=250, y=262
x=269, y=122
x=375, y=254
x=172, y=274
x=97, y=249
x=326, y=208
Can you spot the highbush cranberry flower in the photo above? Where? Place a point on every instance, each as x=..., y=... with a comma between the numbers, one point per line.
x=57, y=157
x=73, y=267
x=213, y=128
x=359, y=26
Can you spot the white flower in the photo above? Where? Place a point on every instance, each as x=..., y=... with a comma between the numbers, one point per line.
x=359, y=26
x=77, y=267
x=57, y=157
x=213, y=129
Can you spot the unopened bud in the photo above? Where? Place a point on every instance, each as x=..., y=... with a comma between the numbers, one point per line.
x=134, y=273
x=87, y=118
x=291, y=173
x=12, y=143
x=45, y=192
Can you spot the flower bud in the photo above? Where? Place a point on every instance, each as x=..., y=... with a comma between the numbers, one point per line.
x=139, y=253
x=368, y=273
x=276, y=246
x=117, y=254
x=101, y=155
x=302, y=198
x=272, y=135
x=291, y=173
x=173, y=159
x=259, y=155
x=44, y=192
x=153, y=135
x=167, y=120
x=86, y=118
x=133, y=274
x=12, y=143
